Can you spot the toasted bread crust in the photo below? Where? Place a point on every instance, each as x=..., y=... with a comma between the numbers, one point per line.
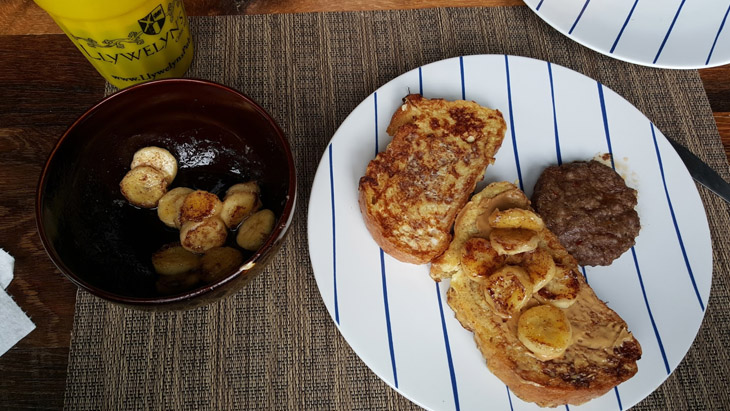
x=411, y=192
x=603, y=353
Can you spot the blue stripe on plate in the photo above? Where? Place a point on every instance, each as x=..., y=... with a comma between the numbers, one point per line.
x=718, y=35
x=382, y=270
x=618, y=398
x=334, y=239
x=605, y=122
x=648, y=309
x=555, y=117
x=512, y=122
x=633, y=251
x=579, y=16
x=517, y=157
x=376, y=123
x=668, y=32
x=448, y=348
x=539, y=5
x=566, y=407
x=461, y=69
x=387, y=317
x=420, y=81
x=674, y=219
x=624, y=26
x=583, y=269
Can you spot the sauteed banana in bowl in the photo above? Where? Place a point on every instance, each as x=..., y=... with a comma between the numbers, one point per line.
x=169, y=194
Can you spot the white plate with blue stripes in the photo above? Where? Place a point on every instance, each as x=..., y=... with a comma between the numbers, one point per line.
x=683, y=34
x=396, y=318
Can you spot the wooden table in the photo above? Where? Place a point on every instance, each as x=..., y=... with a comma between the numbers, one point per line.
x=44, y=85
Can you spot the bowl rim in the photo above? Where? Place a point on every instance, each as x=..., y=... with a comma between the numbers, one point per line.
x=277, y=234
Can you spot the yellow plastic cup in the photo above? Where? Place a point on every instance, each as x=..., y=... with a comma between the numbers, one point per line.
x=129, y=41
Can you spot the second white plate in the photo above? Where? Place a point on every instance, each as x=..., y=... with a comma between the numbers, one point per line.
x=658, y=33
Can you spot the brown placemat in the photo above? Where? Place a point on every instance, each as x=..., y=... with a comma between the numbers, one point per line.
x=273, y=345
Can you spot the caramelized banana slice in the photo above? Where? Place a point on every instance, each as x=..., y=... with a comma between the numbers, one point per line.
x=173, y=259
x=540, y=267
x=479, y=259
x=219, y=262
x=255, y=229
x=562, y=290
x=516, y=218
x=237, y=206
x=201, y=236
x=168, y=209
x=247, y=187
x=143, y=186
x=509, y=241
x=545, y=330
x=158, y=158
x=198, y=206
x=175, y=284
x=507, y=290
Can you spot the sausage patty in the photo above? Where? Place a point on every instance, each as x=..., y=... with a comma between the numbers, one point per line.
x=590, y=208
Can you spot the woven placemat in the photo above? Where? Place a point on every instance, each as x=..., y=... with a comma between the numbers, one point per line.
x=273, y=345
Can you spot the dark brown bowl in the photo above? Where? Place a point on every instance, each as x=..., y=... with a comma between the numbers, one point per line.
x=219, y=136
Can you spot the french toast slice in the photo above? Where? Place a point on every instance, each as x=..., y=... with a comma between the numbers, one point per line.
x=411, y=192
x=597, y=353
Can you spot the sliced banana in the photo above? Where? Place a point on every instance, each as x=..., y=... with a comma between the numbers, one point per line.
x=237, y=206
x=174, y=260
x=158, y=158
x=143, y=186
x=562, y=290
x=168, y=209
x=198, y=206
x=507, y=290
x=253, y=232
x=175, y=284
x=540, y=267
x=219, y=262
x=201, y=236
x=516, y=218
x=247, y=187
x=509, y=241
x=479, y=259
x=545, y=330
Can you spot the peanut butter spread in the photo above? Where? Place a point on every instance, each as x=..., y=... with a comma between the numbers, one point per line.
x=600, y=345
x=503, y=201
x=594, y=333
x=601, y=353
x=592, y=330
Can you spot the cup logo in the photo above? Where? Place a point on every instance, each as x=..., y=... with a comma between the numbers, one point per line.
x=158, y=46
x=154, y=21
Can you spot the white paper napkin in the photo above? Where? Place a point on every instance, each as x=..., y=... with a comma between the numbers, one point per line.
x=14, y=324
